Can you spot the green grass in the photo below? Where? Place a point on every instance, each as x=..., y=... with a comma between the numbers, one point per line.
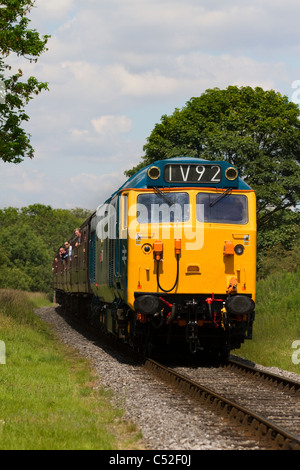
x=39, y=299
x=48, y=398
x=47, y=395
x=277, y=322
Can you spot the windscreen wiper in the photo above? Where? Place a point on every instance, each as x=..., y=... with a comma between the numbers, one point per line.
x=220, y=197
x=163, y=195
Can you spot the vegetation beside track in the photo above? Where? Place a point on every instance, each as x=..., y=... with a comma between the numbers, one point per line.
x=47, y=395
x=277, y=323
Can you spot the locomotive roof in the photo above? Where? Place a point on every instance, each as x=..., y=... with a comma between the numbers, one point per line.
x=185, y=171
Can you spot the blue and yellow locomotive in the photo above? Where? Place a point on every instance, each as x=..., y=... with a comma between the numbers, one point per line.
x=169, y=259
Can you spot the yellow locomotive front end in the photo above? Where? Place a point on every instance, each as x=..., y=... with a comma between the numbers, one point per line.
x=213, y=253
x=191, y=265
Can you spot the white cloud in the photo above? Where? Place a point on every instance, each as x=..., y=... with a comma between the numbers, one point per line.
x=79, y=133
x=107, y=30
x=95, y=189
x=20, y=180
x=54, y=9
x=111, y=124
x=22, y=185
x=220, y=71
x=115, y=66
x=152, y=82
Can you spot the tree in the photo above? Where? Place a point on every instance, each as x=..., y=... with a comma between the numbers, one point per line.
x=29, y=240
x=257, y=131
x=16, y=37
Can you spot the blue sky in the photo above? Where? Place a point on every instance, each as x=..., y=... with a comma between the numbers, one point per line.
x=114, y=67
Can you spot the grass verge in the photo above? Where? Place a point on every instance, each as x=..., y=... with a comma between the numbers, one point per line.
x=47, y=396
x=277, y=323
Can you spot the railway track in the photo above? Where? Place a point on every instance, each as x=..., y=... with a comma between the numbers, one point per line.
x=264, y=404
x=270, y=414
x=281, y=381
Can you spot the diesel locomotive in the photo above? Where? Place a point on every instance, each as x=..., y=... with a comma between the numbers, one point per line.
x=169, y=260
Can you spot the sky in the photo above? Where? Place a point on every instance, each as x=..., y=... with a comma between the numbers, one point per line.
x=114, y=67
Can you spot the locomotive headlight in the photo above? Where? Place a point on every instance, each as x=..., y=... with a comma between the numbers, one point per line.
x=239, y=249
x=231, y=173
x=154, y=172
x=147, y=248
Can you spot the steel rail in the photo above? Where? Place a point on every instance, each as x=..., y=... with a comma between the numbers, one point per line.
x=292, y=385
x=262, y=428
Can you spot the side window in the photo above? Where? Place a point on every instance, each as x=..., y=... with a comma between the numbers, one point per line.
x=230, y=209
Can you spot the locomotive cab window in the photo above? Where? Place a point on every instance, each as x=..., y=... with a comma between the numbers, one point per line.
x=229, y=209
x=162, y=207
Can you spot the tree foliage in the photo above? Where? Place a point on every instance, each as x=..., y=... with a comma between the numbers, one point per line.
x=17, y=38
x=29, y=240
x=257, y=131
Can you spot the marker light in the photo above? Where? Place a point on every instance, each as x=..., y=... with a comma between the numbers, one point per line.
x=231, y=173
x=154, y=172
x=239, y=249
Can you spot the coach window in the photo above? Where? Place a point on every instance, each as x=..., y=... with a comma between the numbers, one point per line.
x=229, y=209
x=162, y=207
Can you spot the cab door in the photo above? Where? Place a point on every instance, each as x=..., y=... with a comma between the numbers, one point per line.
x=121, y=246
